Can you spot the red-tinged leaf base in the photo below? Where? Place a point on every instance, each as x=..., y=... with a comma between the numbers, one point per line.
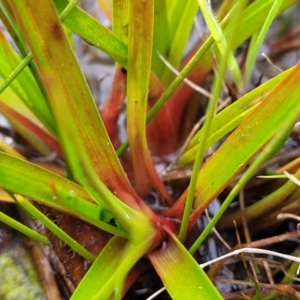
x=163, y=132
x=180, y=273
x=113, y=105
x=145, y=175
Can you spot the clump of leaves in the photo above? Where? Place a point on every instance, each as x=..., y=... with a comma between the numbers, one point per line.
x=46, y=98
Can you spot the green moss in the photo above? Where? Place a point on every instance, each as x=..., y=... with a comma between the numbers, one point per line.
x=19, y=280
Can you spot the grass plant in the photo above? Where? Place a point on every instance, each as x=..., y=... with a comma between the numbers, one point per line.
x=104, y=182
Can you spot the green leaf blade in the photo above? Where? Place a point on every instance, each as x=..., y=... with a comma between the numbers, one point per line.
x=181, y=274
x=267, y=119
x=101, y=270
x=253, y=133
x=94, y=32
x=24, y=229
x=139, y=69
x=24, y=85
x=229, y=118
x=70, y=98
x=45, y=187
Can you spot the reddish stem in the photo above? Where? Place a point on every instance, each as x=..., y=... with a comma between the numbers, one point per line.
x=113, y=105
